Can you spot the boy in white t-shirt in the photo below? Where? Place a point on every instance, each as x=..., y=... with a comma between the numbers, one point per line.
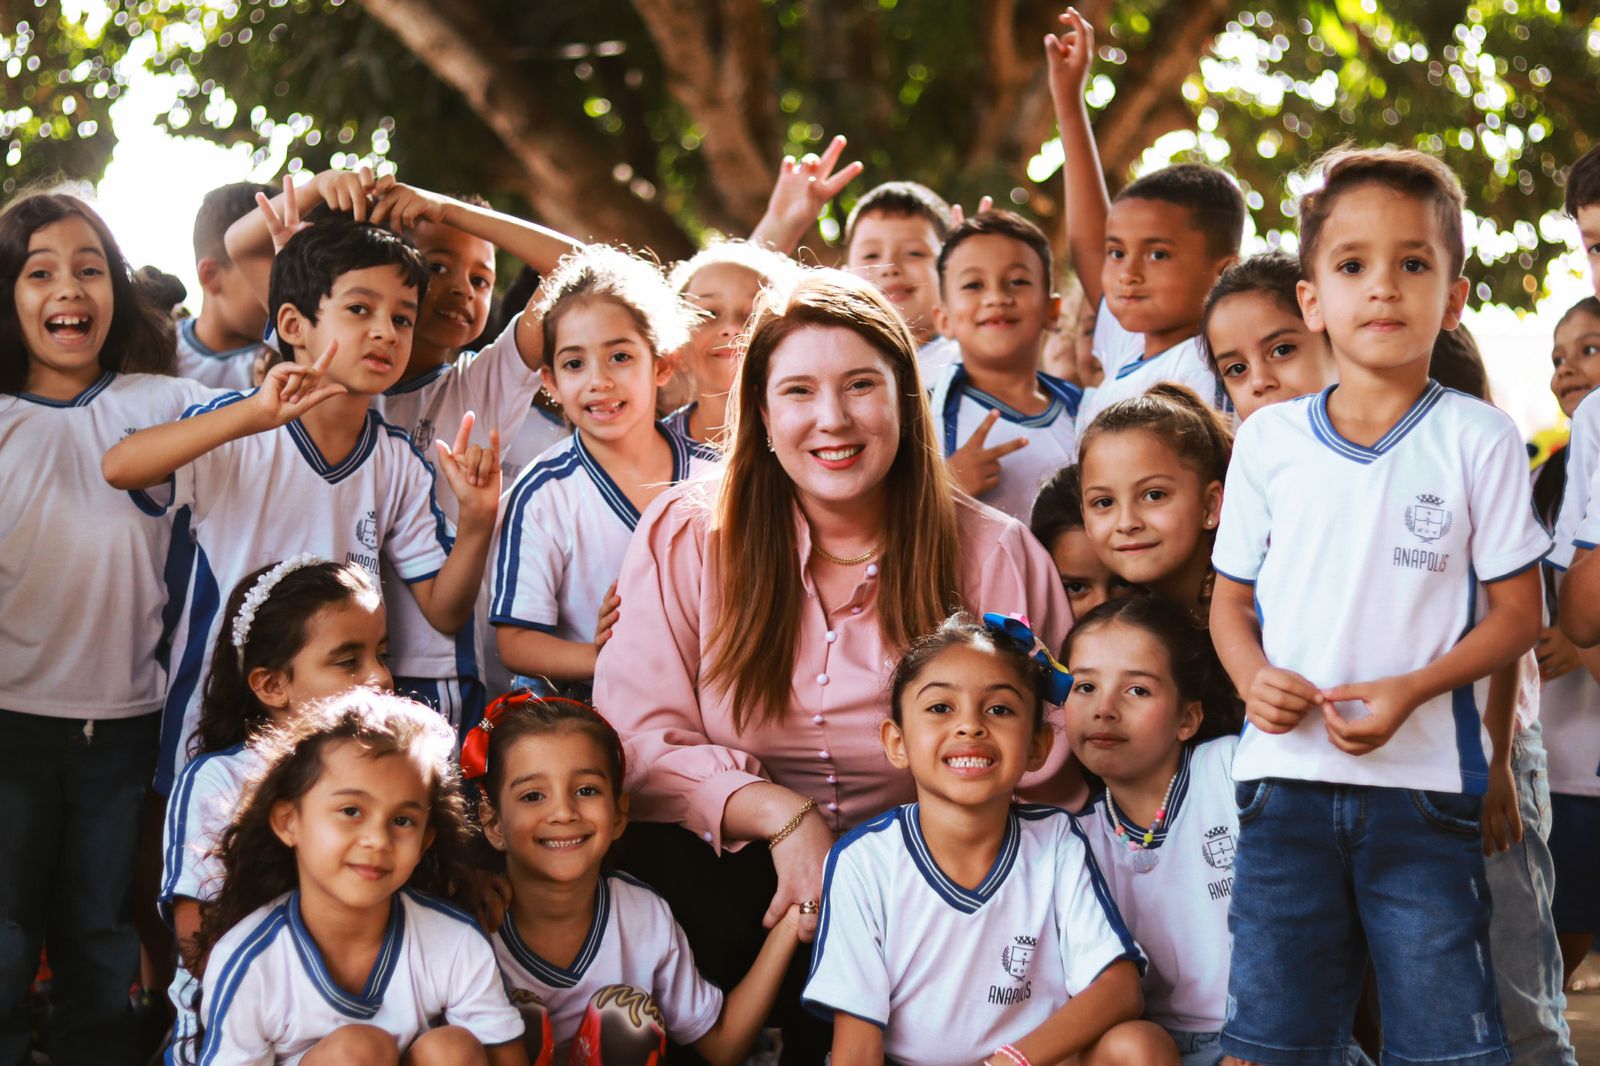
x=1359, y=528
x=1147, y=258
x=220, y=346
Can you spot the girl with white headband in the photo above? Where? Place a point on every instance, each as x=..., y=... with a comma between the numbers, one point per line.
x=295, y=632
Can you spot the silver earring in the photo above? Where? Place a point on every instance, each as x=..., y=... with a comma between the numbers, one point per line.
x=770, y=448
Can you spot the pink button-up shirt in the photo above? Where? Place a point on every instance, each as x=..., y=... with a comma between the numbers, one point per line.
x=684, y=756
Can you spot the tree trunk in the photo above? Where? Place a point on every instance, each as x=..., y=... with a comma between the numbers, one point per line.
x=568, y=182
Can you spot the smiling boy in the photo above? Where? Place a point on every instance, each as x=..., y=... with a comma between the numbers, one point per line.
x=303, y=464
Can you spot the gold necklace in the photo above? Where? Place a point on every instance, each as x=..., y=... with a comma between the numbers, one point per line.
x=854, y=560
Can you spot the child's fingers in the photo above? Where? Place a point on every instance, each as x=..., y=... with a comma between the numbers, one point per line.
x=1005, y=448
x=830, y=155
x=464, y=434
x=320, y=367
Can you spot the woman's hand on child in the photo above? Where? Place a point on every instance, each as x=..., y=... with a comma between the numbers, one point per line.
x=610, y=611
x=1068, y=56
x=472, y=472
x=799, y=859
x=1278, y=699
x=291, y=389
x=1391, y=701
x=402, y=207
x=1502, y=815
x=1557, y=655
x=976, y=466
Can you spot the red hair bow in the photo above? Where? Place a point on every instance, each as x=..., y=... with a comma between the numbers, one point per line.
x=475, y=745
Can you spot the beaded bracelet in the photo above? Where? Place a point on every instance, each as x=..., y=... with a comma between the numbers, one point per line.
x=1017, y=1058
x=794, y=823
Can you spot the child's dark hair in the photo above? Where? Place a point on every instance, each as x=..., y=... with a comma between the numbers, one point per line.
x=1058, y=508
x=1215, y=205
x=999, y=224
x=964, y=630
x=139, y=340
x=1196, y=670
x=601, y=272
x=536, y=717
x=1457, y=363
x=1180, y=418
x=219, y=209
x=903, y=198
x=1589, y=305
x=313, y=260
x=1275, y=275
x=229, y=711
x=257, y=866
x=1403, y=170
x=1583, y=182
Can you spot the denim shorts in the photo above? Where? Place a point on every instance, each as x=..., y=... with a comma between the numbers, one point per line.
x=1575, y=848
x=1324, y=875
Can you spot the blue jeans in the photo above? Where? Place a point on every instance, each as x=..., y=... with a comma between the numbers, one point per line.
x=1527, y=958
x=1205, y=1049
x=69, y=832
x=1326, y=873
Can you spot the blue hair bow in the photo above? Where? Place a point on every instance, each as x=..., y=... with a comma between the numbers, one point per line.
x=1015, y=628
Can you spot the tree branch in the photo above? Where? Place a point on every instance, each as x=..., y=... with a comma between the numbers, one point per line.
x=568, y=182
x=718, y=57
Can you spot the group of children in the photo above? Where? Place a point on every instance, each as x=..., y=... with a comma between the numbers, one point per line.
x=1313, y=658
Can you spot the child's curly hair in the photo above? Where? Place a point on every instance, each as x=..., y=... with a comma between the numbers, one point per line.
x=258, y=867
x=601, y=272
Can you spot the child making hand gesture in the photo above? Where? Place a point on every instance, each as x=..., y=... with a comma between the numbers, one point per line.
x=304, y=464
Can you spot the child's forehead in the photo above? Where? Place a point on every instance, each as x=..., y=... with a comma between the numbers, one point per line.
x=598, y=320
x=995, y=251
x=382, y=282
x=436, y=238
x=70, y=234
x=883, y=224
x=1352, y=216
x=1139, y=219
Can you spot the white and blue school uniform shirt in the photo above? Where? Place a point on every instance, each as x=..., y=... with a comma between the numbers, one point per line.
x=1583, y=464
x=566, y=529
x=678, y=421
x=233, y=369
x=269, y=997
x=951, y=973
x=1177, y=905
x=1368, y=562
x=934, y=356
x=84, y=578
x=542, y=430
x=204, y=800
x=269, y=496
x=1130, y=373
x=633, y=940
x=447, y=671
x=1052, y=435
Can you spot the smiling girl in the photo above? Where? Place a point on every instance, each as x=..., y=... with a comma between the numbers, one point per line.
x=607, y=320
x=83, y=361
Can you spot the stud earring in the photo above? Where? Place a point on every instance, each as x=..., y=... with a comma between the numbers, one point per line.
x=770, y=448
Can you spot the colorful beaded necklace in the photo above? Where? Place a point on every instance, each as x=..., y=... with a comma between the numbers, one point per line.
x=1141, y=842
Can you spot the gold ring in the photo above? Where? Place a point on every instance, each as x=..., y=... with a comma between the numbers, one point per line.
x=809, y=906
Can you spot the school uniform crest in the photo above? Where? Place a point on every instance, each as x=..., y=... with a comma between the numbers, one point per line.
x=1428, y=519
x=1219, y=848
x=423, y=437
x=1015, y=956
x=367, y=530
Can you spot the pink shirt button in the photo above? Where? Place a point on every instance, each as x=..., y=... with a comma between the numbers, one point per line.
x=822, y=679
x=855, y=610
x=817, y=718
x=833, y=806
x=831, y=779
x=822, y=755
x=830, y=636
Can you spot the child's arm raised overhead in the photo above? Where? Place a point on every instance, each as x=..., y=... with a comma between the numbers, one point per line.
x=728, y=1042
x=798, y=196
x=150, y=456
x=254, y=239
x=1068, y=59
x=403, y=206
x=1274, y=700
x=1508, y=629
x=473, y=474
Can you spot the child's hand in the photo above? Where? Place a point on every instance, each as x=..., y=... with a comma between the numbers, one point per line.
x=350, y=192
x=1068, y=57
x=610, y=611
x=1391, y=701
x=291, y=389
x=976, y=467
x=1557, y=655
x=958, y=216
x=1502, y=815
x=281, y=226
x=1278, y=699
x=402, y=207
x=805, y=186
x=473, y=473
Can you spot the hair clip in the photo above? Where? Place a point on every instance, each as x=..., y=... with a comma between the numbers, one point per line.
x=1015, y=628
x=260, y=591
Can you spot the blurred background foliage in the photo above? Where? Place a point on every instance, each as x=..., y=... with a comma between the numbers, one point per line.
x=657, y=122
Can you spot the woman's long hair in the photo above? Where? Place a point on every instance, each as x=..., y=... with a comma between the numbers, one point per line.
x=140, y=337
x=756, y=638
